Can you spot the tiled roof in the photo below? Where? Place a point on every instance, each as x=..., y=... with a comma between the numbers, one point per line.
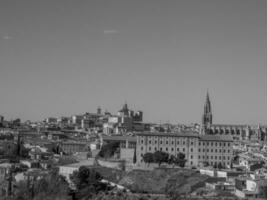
x=216, y=137
x=119, y=138
x=179, y=134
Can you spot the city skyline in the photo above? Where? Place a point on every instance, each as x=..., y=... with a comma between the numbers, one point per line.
x=64, y=57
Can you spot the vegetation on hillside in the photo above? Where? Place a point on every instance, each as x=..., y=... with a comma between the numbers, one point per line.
x=108, y=150
x=163, y=157
x=51, y=187
x=88, y=183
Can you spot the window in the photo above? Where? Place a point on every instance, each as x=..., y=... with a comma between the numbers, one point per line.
x=177, y=149
x=155, y=148
x=192, y=143
x=211, y=144
x=191, y=149
x=215, y=150
x=166, y=142
x=199, y=143
x=160, y=141
x=142, y=148
x=211, y=150
x=142, y=141
x=191, y=163
x=224, y=144
x=199, y=150
x=207, y=150
x=207, y=143
x=155, y=141
x=183, y=142
x=172, y=142
x=166, y=148
x=198, y=157
x=228, y=144
x=149, y=148
x=211, y=157
x=191, y=156
x=177, y=142
x=215, y=157
x=207, y=157
x=203, y=157
x=216, y=144
x=160, y=148
x=172, y=149
x=228, y=150
x=149, y=142
x=183, y=149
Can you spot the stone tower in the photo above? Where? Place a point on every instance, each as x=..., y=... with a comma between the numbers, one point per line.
x=207, y=116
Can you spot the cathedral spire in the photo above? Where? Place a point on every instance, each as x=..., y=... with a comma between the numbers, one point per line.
x=207, y=116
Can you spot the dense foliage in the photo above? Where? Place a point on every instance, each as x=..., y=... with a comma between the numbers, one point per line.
x=88, y=183
x=50, y=187
x=108, y=150
x=163, y=157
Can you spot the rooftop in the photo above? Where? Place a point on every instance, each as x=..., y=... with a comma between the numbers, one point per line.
x=216, y=137
x=179, y=134
x=119, y=138
x=79, y=164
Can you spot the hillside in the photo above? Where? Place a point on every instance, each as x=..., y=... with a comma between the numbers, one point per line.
x=155, y=181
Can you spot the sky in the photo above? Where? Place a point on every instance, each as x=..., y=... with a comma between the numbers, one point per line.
x=64, y=57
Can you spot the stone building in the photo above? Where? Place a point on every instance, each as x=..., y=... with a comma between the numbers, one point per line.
x=198, y=149
x=238, y=132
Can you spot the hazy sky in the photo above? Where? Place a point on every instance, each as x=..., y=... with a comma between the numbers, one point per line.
x=63, y=57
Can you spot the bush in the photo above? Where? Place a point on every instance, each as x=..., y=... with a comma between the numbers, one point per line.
x=108, y=150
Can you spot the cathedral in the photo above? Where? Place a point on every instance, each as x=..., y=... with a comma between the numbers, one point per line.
x=239, y=132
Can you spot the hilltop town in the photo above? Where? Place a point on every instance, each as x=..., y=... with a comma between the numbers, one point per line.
x=132, y=157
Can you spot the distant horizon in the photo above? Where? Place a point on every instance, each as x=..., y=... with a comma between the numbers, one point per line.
x=64, y=57
x=136, y=110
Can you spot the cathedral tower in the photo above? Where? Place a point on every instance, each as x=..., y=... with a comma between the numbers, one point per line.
x=207, y=116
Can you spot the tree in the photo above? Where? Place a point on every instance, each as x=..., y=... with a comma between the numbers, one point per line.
x=263, y=191
x=181, y=159
x=88, y=183
x=220, y=166
x=108, y=150
x=134, y=156
x=178, y=160
x=161, y=157
x=148, y=158
x=52, y=186
x=215, y=166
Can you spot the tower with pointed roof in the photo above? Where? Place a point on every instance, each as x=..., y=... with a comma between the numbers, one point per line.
x=207, y=116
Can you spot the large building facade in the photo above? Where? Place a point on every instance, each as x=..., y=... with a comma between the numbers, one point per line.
x=199, y=150
x=238, y=132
